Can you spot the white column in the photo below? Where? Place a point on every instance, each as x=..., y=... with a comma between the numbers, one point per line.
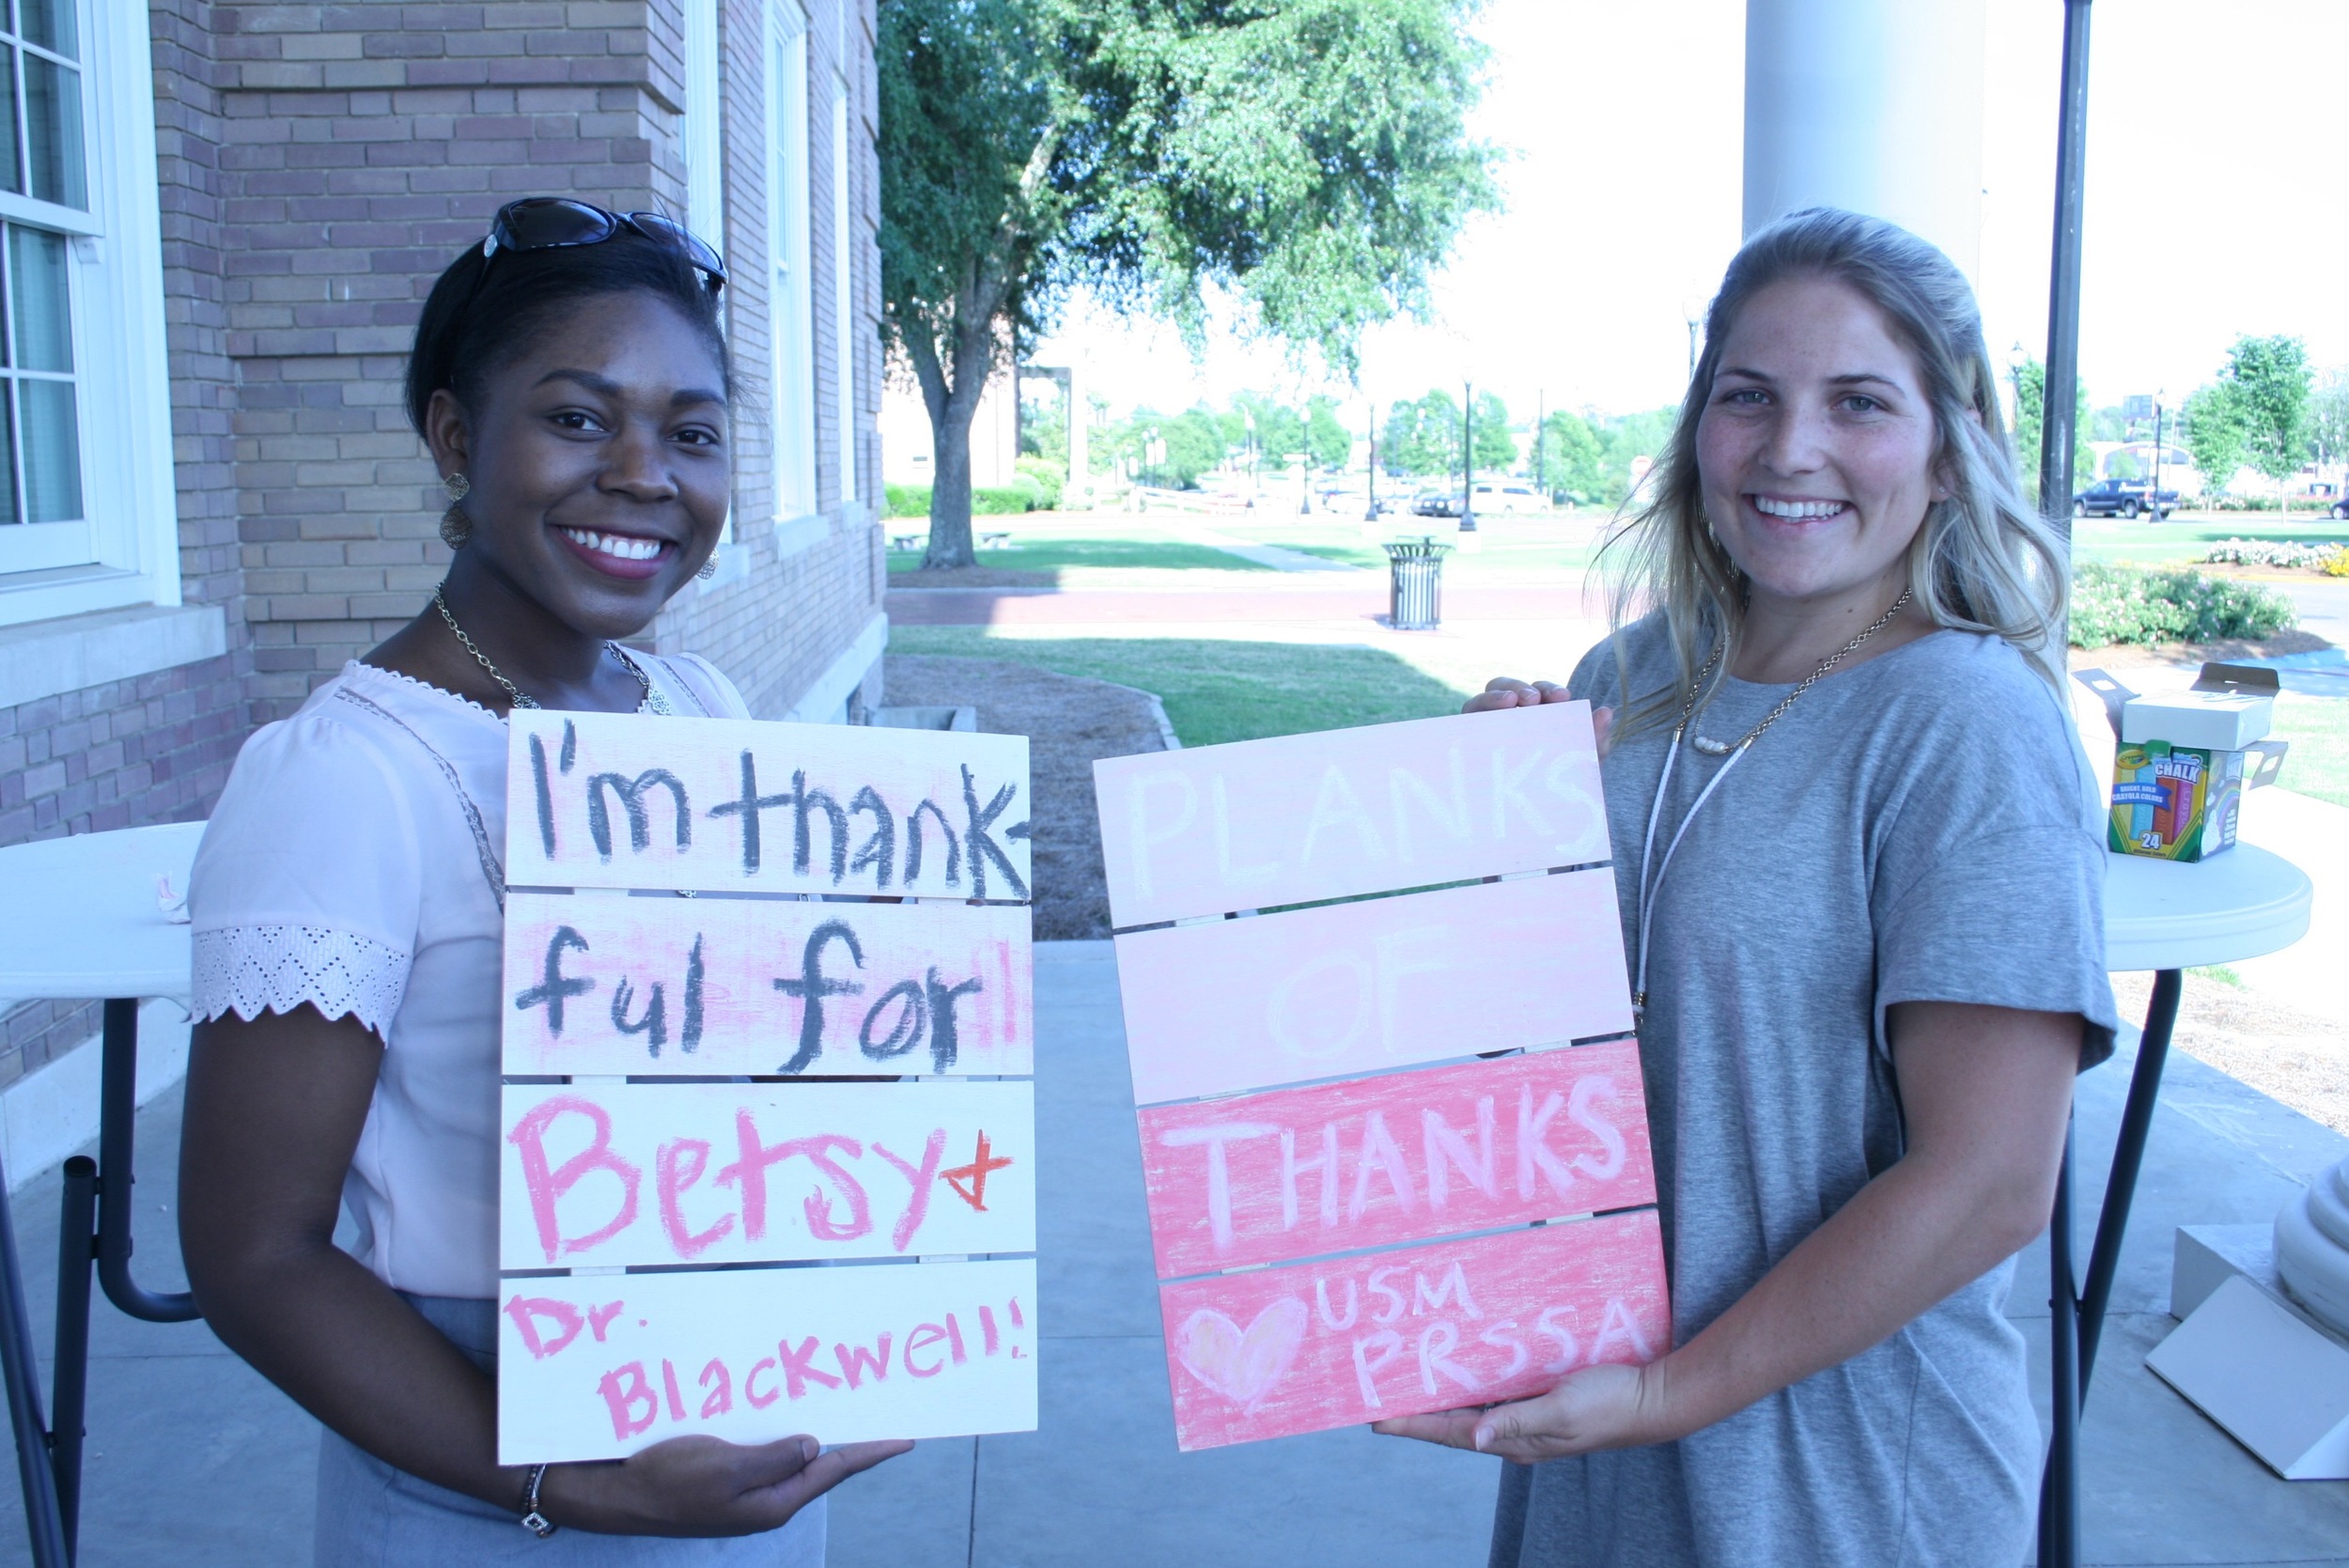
x=1874, y=105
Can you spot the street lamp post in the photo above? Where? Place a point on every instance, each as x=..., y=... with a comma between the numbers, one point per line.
x=1541, y=469
x=1468, y=456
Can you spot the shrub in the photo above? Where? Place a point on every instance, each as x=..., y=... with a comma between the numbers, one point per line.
x=999, y=500
x=2272, y=553
x=1050, y=478
x=2338, y=565
x=2127, y=605
x=906, y=501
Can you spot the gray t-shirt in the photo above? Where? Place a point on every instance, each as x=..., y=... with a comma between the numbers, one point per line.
x=1915, y=829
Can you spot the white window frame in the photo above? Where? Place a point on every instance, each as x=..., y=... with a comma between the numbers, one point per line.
x=705, y=145
x=790, y=302
x=844, y=294
x=122, y=359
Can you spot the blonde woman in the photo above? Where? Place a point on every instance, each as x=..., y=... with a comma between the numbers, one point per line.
x=1862, y=891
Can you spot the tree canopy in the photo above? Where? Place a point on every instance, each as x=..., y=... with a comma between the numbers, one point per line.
x=2256, y=413
x=2031, y=402
x=1306, y=160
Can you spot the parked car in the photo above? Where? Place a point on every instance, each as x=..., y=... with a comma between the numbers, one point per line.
x=1437, y=503
x=2125, y=499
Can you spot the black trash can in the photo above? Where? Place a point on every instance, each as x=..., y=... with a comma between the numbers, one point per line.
x=1415, y=582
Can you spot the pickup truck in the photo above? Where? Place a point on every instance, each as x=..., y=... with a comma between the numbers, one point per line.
x=2124, y=499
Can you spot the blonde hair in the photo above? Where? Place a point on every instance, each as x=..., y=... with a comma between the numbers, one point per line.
x=1983, y=561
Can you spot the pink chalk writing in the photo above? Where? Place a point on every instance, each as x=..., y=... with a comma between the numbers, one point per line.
x=1377, y=1162
x=1270, y=1352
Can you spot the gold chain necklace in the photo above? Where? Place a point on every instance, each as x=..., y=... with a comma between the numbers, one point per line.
x=653, y=701
x=1721, y=747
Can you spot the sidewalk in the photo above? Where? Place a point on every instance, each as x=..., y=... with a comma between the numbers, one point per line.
x=195, y=1461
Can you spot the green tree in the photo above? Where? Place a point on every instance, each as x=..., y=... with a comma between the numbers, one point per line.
x=1173, y=451
x=1422, y=438
x=2030, y=401
x=1573, y=464
x=2328, y=415
x=1309, y=159
x=2215, y=432
x=1327, y=439
x=2271, y=378
x=1496, y=448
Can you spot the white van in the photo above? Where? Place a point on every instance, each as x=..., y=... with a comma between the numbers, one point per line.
x=1507, y=497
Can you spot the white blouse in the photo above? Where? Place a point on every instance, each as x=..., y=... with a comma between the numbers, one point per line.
x=355, y=863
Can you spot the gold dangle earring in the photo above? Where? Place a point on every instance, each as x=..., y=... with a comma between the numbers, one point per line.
x=456, y=527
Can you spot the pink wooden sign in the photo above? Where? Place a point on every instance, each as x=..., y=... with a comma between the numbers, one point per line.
x=1366, y=986
x=1269, y=1353
x=1304, y=817
x=605, y=1176
x=610, y=800
x=1377, y=1162
x=599, y=1366
x=605, y=985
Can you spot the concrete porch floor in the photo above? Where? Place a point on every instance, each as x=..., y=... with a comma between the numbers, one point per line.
x=193, y=1460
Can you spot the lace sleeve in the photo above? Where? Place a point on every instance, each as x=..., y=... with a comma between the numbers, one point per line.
x=252, y=970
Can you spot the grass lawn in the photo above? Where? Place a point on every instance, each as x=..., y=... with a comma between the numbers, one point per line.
x=2318, y=728
x=1217, y=691
x=1055, y=554
x=2183, y=541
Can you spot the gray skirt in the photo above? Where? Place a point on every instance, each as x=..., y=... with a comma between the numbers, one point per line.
x=372, y=1515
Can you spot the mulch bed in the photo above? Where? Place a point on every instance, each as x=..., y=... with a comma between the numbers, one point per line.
x=1070, y=722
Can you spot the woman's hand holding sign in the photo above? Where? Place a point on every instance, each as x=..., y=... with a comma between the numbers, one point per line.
x=703, y=1486
x=1604, y=1406
x=1501, y=692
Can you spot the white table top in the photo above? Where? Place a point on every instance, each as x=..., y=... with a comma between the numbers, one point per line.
x=79, y=916
x=2239, y=904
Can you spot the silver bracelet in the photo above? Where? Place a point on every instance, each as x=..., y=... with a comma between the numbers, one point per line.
x=534, y=1521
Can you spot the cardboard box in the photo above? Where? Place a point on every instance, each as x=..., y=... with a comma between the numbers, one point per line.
x=2183, y=762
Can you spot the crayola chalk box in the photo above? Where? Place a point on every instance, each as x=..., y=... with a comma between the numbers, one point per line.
x=2175, y=803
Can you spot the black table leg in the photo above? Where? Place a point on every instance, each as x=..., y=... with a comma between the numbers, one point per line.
x=43, y=1522
x=117, y=1129
x=77, y=1248
x=2077, y=1311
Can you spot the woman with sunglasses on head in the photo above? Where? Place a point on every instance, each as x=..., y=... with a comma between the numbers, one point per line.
x=571, y=379
x=1860, y=870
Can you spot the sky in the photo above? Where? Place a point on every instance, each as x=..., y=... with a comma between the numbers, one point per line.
x=2213, y=206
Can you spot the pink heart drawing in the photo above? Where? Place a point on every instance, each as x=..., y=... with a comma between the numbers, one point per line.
x=1242, y=1367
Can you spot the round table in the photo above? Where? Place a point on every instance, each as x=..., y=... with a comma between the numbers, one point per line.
x=2167, y=917
x=83, y=917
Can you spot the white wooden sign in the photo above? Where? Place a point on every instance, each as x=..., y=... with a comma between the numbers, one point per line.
x=598, y=1365
x=839, y=1259
x=757, y=986
x=601, y=800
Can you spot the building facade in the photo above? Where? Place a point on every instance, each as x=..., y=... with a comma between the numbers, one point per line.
x=218, y=222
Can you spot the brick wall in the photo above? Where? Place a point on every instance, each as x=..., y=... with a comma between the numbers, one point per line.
x=318, y=166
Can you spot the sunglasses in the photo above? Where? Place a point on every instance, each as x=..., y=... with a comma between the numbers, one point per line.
x=552, y=223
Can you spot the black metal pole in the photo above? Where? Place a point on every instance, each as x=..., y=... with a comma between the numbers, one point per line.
x=1371, y=478
x=77, y=1249
x=117, y=1130
x=2058, y=438
x=22, y=1369
x=2128, y=1155
x=2059, y=1484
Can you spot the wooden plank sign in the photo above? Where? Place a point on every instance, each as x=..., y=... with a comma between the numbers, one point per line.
x=848, y=1260
x=1351, y=1092
x=727, y=805
x=1378, y=1161
x=1274, y=1352
x=597, y=1365
x=755, y=986
x=1303, y=818
x=756, y=1172
x=1364, y=986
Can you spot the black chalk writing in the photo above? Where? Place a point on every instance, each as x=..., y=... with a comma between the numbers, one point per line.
x=554, y=986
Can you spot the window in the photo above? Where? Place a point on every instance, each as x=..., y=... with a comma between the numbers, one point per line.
x=88, y=516
x=844, y=292
x=704, y=171
x=790, y=302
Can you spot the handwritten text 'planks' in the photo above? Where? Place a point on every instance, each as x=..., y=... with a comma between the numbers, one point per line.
x=605, y=985
x=1303, y=818
x=605, y=800
x=1374, y=1161
x=1365, y=986
x=1267, y=1353
x=600, y=1175
x=599, y=1366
